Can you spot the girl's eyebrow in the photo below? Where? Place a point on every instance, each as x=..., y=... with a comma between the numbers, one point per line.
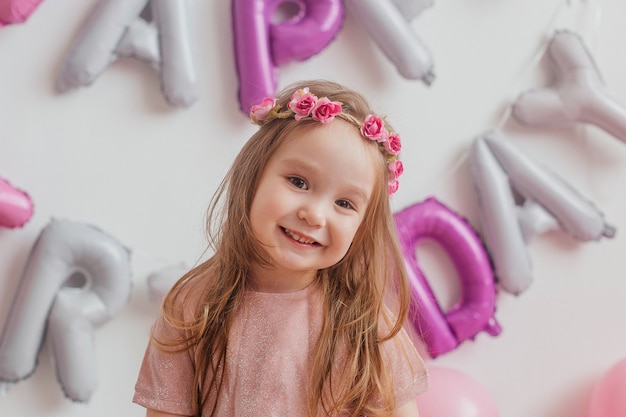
x=298, y=163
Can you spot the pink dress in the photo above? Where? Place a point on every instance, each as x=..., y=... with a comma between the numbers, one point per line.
x=268, y=358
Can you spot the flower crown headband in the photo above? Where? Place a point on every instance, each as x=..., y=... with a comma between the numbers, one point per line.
x=304, y=104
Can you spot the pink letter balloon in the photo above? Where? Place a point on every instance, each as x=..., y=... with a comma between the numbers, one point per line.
x=454, y=394
x=608, y=398
x=16, y=207
x=75, y=280
x=474, y=312
x=261, y=46
x=16, y=11
x=577, y=95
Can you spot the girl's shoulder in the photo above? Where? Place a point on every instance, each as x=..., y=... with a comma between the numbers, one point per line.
x=187, y=294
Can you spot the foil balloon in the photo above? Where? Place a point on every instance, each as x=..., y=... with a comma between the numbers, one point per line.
x=412, y=8
x=76, y=279
x=607, y=398
x=577, y=94
x=474, y=312
x=16, y=207
x=160, y=282
x=116, y=29
x=388, y=22
x=261, y=45
x=17, y=11
x=452, y=393
x=549, y=203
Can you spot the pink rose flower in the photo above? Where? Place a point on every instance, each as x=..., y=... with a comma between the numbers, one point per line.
x=393, y=186
x=260, y=111
x=373, y=127
x=326, y=110
x=393, y=144
x=302, y=103
x=395, y=169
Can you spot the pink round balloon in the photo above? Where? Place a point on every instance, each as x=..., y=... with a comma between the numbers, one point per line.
x=16, y=207
x=16, y=11
x=609, y=394
x=454, y=394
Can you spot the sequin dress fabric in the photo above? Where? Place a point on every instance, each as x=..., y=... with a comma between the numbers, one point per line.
x=268, y=361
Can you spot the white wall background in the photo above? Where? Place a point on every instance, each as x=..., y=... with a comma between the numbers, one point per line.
x=116, y=156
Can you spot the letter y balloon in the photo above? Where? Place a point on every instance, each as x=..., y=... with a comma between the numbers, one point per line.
x=578, y=93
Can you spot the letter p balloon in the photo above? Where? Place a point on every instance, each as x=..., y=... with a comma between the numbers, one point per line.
x=474, y=312
x=261, y=45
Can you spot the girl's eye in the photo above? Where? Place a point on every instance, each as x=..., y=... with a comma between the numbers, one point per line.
x=345, y=204
x=298, y=183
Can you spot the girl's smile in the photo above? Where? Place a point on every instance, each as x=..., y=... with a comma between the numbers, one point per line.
x=300, y=238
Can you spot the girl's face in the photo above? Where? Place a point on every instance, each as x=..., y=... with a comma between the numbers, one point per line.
x=310, y=201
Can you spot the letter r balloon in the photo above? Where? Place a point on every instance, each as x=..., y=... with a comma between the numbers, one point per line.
x=443, y=332
x=48, y=299
x=261, y=46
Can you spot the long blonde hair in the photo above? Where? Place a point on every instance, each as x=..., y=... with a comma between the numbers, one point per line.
x=353, y=290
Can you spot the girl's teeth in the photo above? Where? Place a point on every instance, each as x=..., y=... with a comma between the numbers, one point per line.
x=297, y=237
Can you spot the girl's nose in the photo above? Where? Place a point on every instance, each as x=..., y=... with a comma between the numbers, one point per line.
x=313, y=215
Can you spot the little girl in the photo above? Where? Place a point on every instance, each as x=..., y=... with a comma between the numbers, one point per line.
x=291, y=315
